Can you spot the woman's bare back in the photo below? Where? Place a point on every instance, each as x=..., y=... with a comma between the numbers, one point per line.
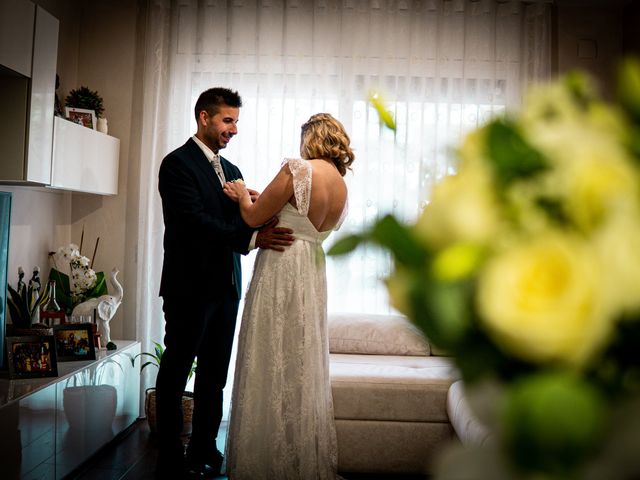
x=328, y=195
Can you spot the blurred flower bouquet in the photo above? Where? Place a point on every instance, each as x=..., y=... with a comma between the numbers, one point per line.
x=525, y=266
x=75, y=279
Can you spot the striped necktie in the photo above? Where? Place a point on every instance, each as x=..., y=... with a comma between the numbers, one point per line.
x=217, y=167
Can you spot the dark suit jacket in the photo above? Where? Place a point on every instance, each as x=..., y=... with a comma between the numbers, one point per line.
x=204, y=231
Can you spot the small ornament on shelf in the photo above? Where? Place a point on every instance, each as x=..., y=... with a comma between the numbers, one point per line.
x=51, y=313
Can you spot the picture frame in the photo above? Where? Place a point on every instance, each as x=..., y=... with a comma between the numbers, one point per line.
x=32, y=356
x=74, y=341
x=82, y=116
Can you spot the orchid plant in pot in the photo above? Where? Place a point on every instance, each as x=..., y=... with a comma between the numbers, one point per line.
x=74, y=276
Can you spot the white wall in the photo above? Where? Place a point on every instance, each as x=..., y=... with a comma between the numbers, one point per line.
x=106, y=56
x=40, y=222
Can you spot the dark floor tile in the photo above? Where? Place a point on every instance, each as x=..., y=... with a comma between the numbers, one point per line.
x=101, y=473
x=133, y=457
x=144, y=469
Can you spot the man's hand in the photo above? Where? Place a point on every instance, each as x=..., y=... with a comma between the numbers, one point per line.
x=254, y=194
x=274, y=238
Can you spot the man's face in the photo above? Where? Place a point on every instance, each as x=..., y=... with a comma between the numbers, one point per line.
x=216, y=131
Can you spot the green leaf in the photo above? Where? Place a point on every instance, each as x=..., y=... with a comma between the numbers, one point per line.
x=146, y=364
x=99, y=289
x=629, y=87
x=442, y=311
x=554, y=208
x=18, y=309
x=391, y=234
x=511, y=157
x=63, y=289
x=346, y=245
x=193, y=369
x=159, y=351
x=386, y=118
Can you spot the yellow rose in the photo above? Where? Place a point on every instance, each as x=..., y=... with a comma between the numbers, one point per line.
x=550, y=103
x=618, y=247
x=597, y=181
x=606, y=119
x=591, y=173
x=541, y=300
x=473, y=148
x=463, y=208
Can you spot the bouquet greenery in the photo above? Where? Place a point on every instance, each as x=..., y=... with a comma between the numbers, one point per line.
x=525, y=266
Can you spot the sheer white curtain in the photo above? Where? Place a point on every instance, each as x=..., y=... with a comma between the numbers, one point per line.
x=444, y=66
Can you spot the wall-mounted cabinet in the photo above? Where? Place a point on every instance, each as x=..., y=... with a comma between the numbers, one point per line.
x=16, y=35
x=28, y=58
x=84, y=160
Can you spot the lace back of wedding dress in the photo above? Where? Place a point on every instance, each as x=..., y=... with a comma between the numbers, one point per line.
x=302, y=174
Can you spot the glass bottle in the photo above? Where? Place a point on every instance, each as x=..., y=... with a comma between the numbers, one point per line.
x=52, y=304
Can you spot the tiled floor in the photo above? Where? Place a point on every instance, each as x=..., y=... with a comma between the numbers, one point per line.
x=133, y=457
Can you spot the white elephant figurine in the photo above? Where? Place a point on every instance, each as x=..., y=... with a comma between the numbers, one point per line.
x=105, y=305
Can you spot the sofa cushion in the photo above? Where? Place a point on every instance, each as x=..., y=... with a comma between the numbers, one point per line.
x=387, y=387
x=375, y=335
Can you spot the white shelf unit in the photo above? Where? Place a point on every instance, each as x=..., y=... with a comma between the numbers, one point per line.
x=84, y=160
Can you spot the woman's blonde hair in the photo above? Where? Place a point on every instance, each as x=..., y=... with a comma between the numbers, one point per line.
x=324, y=137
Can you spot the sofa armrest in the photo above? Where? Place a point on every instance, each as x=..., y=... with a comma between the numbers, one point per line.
x=466, y=425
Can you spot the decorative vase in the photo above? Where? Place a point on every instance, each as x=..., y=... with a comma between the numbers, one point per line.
x=102, y=125
x=90, y=406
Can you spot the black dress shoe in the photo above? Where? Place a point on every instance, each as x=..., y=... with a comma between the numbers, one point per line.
x=208, y=466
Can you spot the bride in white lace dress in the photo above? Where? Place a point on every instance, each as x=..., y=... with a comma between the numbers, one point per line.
x=282, y=424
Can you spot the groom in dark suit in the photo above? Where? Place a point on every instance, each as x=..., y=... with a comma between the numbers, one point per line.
x=201, y=282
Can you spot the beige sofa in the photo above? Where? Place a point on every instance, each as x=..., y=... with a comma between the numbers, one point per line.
x=389, y=393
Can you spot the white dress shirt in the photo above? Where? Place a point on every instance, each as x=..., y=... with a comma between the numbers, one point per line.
x=214, y=160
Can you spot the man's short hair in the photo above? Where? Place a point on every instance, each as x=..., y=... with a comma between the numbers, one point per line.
x=211, y=100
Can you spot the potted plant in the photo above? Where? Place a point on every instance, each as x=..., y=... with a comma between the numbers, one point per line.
x=150, y=393
x=84, y=98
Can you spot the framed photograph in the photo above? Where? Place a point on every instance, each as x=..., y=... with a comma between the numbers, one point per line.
x=82, y=116
x=32, y=356
x=74, y=341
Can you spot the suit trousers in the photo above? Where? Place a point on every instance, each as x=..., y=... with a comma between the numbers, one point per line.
x=203, y=329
